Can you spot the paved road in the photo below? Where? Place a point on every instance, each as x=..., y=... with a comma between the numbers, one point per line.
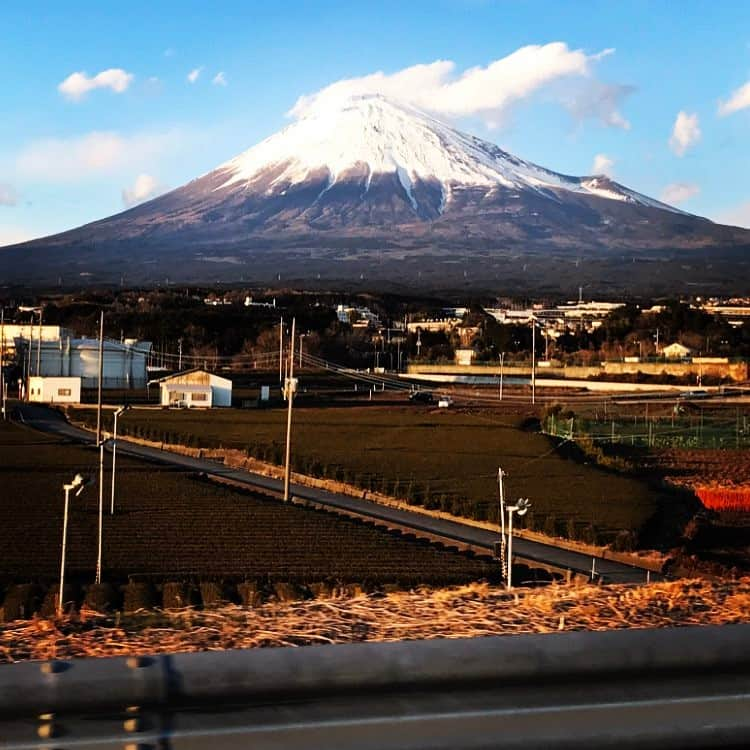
x=49, y=420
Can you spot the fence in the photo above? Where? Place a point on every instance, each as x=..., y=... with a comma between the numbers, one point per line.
x=674, y=431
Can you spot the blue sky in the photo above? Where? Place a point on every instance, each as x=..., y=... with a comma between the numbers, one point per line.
x=556, y=83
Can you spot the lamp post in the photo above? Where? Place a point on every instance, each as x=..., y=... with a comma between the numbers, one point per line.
x=76, y=484
x=502, y=359
x=521, y=507
x=118, y=412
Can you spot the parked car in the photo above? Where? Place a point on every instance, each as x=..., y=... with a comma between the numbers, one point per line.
x=421, y=397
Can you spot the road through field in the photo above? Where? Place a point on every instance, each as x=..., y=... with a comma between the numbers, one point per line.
x=49, y=420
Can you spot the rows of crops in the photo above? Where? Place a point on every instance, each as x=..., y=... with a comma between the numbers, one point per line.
x=725, y=499
x=441, y=459
x=169, y=526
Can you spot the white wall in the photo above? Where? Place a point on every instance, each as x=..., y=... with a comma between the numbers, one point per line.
x=221, y=390
x=55, y=390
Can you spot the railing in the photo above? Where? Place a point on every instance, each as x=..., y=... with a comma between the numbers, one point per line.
x=670, y=688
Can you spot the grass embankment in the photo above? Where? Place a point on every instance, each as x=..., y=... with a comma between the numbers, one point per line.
x=453, y=613
x=169, y=526
x=442, y=459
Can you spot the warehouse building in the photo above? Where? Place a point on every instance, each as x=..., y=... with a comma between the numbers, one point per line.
x=124, y=362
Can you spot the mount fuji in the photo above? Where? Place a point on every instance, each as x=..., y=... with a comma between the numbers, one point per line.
x=372, y=188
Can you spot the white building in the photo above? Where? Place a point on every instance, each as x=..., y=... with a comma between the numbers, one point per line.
x=55, y=390
x=195, y=388
x=10, y=333
x=676, y=351
x=124, y=364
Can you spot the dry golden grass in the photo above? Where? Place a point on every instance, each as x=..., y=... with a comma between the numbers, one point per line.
x=460, y=612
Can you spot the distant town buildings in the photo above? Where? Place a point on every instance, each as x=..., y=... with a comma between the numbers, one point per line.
x=357, y=317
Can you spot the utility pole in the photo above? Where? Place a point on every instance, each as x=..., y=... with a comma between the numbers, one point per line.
x=101, y=371
x=100, y=444
x=179, y=356
x=503, y=539
x=289, y=387
x=2, y=358
x=39, y=346
x=502, y=358
x=281, y=349
x=533, y=359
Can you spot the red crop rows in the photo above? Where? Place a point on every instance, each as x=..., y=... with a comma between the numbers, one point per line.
x=725, y=499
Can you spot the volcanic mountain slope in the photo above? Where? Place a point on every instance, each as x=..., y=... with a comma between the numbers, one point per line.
x=370, y=175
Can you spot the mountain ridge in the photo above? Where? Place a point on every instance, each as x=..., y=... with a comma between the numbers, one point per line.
x=367, y=178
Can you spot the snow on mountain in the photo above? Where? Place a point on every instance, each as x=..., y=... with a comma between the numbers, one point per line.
x=386, y=137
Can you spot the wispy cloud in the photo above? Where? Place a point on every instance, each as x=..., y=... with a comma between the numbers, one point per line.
x=679, y=192
x=194, y=74
x=77, y=85
x=144, y=188
x=686, y=133
x=489, y=92
x=603, y=164
x=740, y=99
x=88, y=156
x=219, y=79
x=169, y=52
x=8, y=195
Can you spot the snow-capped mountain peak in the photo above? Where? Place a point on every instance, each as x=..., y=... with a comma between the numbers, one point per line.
x=374, y=135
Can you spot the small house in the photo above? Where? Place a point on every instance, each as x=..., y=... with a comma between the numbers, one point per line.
x=676, y=351
x=195, y=388
x=51, y=390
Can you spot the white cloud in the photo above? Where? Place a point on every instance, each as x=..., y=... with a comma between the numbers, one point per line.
x=12, y=235
x=685, y=133
x=679, y=192
x=740, y=99
x=67, y=160
x=194, y=74
x=144, y=187
x=488, y=92
x=739, y=216
x=8, y=195
x=602, y=165
x=77, y=85
x=219, y=79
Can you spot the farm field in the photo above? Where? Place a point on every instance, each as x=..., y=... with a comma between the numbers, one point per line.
x=169, y=526
x=446, y=459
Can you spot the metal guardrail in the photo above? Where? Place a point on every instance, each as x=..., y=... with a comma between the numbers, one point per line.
x=671, y=688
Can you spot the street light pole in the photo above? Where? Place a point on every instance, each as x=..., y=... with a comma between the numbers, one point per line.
x=521, y=507
x=118, y=412
x=76, y=484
